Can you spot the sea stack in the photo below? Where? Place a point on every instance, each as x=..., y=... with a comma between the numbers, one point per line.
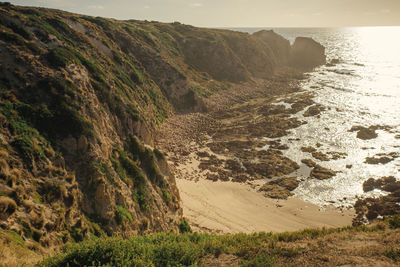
x=306, y=54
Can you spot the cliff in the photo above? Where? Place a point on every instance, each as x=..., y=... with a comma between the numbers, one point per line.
x=80, y=99
x=306, y=54
x=279, y=45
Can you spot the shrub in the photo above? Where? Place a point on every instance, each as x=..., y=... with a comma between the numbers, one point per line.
x=26, y=139
x=394, y=222
x=200, y=91
x=166, y=195
x=393, y=253
x=184, y=227
x=44, y=26
x=123, y=214
x=142, y=197
x=61, y=57
x=22, y=31
x=11, y=38
x=56, y=114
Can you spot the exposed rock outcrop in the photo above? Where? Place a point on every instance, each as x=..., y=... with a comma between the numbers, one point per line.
x=369, y=209
x=279, y=45
x=321, y=173
x=306, y=54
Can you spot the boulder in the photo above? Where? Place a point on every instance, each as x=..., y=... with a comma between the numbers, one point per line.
x=290, y=183
x=388, y=183
x=306, y=54
x=309, y=163
x=275, y=191
x=321, y=173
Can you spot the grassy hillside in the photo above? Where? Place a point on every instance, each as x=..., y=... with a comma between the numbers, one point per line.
x=361, y=246
x=80, y=99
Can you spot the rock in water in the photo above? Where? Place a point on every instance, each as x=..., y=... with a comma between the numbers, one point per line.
x=306, y=54
x=321, y=173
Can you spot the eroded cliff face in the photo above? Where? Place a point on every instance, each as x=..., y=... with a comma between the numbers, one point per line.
x=80, y=99
x=279, y=45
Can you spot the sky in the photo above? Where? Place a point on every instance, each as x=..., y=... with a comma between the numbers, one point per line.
x=239, y=13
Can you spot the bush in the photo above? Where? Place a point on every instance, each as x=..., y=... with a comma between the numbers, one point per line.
x=166, y=195
x=123, y=214
x=61, y=57
x=394, y=222
x=58, y=115
x=184, y=227
x=393, y=253
x=26, y=139
x=22, y=31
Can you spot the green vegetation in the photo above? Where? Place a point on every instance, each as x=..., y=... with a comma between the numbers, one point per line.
x=43, y=25
x=27, y=140
x=393, y=253
x=147, y=160
x=168, y=249
x=18, y=29
x=200, y=91
x=184, y=227
x=394, y=222
x=58, y=115
x=123, y=214
x=127, y=169
x=166, y=195
x=157, y=250
x=104, y=169
x=61, y=57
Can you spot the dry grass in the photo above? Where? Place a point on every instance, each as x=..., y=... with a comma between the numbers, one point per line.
x=14, y=252
x=7, y=207
x=16, y=173
x=55, y=171
x=3, y=154
x=4, y=168
x=350, y=248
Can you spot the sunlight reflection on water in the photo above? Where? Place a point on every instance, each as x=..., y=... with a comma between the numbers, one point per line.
x=362, y=89
x=370, y=95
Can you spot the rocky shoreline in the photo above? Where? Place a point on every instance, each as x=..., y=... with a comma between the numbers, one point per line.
x=232, y=142
x=238, y=140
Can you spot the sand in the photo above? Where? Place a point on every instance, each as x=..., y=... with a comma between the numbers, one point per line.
x=227, y=207
x=232, y=205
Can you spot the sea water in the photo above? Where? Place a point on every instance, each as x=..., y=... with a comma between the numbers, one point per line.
x=362, y=89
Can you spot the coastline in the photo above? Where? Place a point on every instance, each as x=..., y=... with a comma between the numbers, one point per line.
x=221, y=196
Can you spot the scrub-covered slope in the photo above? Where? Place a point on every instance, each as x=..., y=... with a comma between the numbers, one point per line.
x=80, y=99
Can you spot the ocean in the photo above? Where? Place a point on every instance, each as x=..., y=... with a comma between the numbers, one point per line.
x=362, y=89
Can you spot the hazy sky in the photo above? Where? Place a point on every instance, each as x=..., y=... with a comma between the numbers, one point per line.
x=239, y=13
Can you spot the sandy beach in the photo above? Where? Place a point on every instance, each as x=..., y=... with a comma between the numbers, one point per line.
x=226, y=207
